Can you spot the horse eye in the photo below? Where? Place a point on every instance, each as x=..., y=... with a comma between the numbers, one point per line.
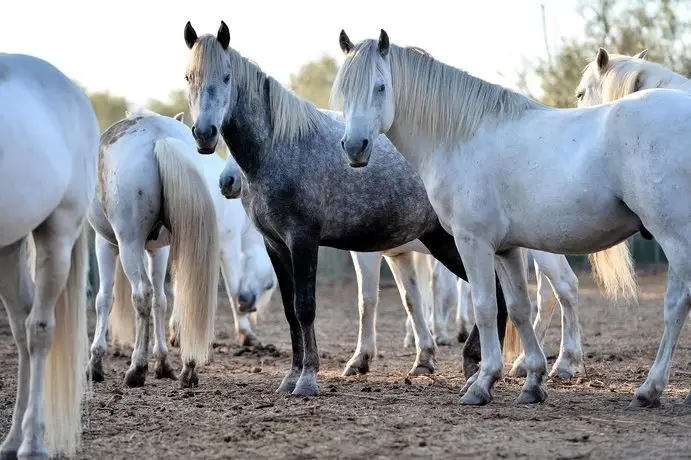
x=580, y=95
x=381, y=88
x=187, y=78
x=226, y=79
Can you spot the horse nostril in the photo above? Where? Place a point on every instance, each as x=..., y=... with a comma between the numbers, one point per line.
x=342, y=144
x=214, y=130
x=194, y=132
x=364, y=145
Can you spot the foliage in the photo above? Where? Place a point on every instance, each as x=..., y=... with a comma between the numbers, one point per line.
x=314, y=79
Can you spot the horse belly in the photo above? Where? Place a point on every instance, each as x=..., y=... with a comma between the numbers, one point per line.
x=31, y=191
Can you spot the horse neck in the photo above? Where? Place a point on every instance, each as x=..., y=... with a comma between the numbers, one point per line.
x=248, y=133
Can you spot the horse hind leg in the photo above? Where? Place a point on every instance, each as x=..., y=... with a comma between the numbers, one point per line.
x=16, y=292
x=464, y=304
x=367, y=269
x=403, y=269
x=677, y=305
x=445, y=297
x=132, y=259
x=106, y=255
x=158, y=263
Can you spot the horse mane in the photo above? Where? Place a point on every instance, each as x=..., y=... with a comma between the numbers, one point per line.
x=625, y=75
x=292, y=118
x=446, y=103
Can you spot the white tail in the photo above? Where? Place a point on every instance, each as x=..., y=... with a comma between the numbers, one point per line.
x=65, y=377
x=194, y=255
x=613, y=271
x=121, y=320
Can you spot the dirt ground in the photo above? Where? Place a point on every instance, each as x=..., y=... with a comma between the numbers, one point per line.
x=234, y=413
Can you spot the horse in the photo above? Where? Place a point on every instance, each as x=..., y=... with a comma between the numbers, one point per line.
x=152, y=204
x=612, y=76
x=480, y=148
x=300, y=196
x=48, y=157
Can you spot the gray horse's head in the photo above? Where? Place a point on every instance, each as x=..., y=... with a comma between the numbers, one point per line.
x=363, y=87
x=211, y=93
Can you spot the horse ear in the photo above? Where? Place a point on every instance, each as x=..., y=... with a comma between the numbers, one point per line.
x=346, y=45
x=602, y=59
x=190, y=35
x=223, y=35
x=383, y=43
x=642, y=55
x=180, y=116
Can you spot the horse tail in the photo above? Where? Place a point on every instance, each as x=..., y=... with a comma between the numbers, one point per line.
x=512, y=341
x=190, y=213
x=65, y=375
x=613, y=271
x=121, y=321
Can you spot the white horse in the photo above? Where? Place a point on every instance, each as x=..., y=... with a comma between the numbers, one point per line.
x=152, y=201
x=612, y=76
x=48, y=156
x=607, y=172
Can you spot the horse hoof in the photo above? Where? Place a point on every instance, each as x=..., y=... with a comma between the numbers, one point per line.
x=250, y=341
x=95, y=372
x=422, y=369
x=357, y=366
x=286, y=387
x=532, y=395
x=641, y=400
x=445, y=341
x=518, y=371
x=476, y=397
x=561, y=374
x=189, y=378
x=164, y=371
x=32, y=451
x=136, y=376
x=305, y=387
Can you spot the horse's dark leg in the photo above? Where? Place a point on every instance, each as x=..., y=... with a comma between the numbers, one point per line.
x=304, y=249
x=280, y=259
x=442, y=246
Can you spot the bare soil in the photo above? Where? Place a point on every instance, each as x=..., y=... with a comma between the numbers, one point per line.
x=234, y=413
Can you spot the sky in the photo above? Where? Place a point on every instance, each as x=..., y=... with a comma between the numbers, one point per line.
x=135, y=48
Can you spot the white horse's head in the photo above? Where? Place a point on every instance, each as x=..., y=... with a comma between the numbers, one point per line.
x=258, y=277
x=230, y=180
x=363, y=88
x=612, y=76
x=211, y=93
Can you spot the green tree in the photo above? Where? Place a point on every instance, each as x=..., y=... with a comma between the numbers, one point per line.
x=622, y=27
x=177, y=102
x=109, y=108
x=314, y=79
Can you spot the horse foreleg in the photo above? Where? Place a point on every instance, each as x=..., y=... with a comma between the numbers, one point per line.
x=367, y=268
x=464, y=303
x=280, y=259
x=16, y=292
x=304, y=250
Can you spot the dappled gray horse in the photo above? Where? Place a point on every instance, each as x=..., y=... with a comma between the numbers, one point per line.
x=300, y=191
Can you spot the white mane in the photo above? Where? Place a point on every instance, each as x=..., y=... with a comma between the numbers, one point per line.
x=445, y=102
x=625, y=75
x=291, y=117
